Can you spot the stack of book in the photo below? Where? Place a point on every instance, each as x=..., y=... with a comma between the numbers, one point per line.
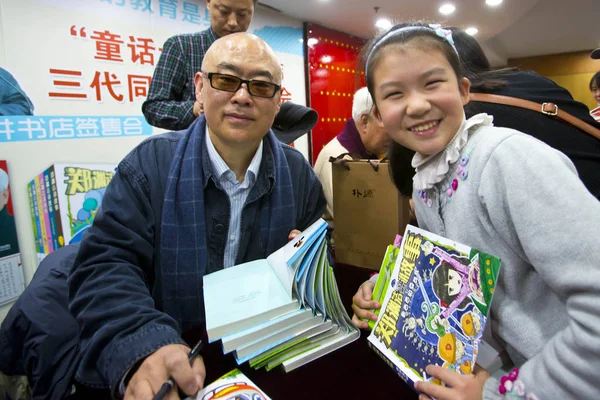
x=63, y=202
x=283, y=310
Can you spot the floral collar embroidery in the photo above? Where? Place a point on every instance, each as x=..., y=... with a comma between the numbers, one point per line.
x=431, y=170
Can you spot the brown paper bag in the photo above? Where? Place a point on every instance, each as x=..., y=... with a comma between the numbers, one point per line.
x=369, y=212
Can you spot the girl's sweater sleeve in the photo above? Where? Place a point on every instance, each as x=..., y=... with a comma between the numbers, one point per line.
x=534, y=198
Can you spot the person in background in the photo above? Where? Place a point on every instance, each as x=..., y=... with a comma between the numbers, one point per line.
x=9, y=243
x=171, y=103
x=595, y=89
x=363, y=135
x=181, y=205
x=517, y=199
x=13, y=100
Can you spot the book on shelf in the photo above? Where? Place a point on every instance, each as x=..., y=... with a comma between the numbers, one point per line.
x=286, y=307
x=63, y=201
x=233, y=385
x=436, y=305
x=12, y=281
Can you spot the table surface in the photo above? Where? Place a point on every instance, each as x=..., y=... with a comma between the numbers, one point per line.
x=352, y=372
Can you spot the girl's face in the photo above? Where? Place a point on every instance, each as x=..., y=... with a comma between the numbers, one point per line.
x=454, y=282
x=419, y=98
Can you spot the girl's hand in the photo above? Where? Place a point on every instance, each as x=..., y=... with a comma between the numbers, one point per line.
x=362, y=304
x=462, y=387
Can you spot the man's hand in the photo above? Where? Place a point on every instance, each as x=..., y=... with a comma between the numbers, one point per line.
x=461, y=387
x=362, y=304
x=170, y=360
x=198, y=109
x=293, y=234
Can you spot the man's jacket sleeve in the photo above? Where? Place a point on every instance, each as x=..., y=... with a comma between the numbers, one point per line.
x=109, y=293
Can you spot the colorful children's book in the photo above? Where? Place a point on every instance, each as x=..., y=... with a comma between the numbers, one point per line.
x=385, y=274
x=64, y=201
x=271, y=308
x=435, y=307
x=232, y=386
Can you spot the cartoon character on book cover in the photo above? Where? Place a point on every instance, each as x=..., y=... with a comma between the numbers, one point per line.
x=81, y=188
x=439, y=305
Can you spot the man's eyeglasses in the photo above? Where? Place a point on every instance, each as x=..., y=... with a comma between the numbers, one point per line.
x=231, y=83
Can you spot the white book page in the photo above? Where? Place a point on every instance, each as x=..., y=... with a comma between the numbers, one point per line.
x=241, y=292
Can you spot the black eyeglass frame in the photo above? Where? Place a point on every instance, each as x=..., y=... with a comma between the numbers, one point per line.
x=248, y=82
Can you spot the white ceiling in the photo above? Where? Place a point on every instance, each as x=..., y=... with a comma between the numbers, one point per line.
x=516, y=28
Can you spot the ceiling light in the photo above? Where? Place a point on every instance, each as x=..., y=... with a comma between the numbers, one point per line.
x=312, y=41
x=447, y=9
x=383, y=23
x=493, y=2
x=472, y=31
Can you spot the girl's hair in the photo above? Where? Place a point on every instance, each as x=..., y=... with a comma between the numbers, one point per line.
x=401, y=34
x=401, y=169
x=595, y=80
x=439, y=282
x=475, y=65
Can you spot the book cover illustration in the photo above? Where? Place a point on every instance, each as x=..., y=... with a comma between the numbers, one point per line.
x=79, y=190
x=436, y=305
x=232, y=386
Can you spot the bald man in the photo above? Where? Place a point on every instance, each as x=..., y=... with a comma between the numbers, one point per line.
x=181, y=205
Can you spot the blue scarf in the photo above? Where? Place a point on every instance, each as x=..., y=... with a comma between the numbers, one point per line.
x=183, y=251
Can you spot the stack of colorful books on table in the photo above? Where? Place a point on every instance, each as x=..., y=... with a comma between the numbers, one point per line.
x=283, y=310
x=63, y=202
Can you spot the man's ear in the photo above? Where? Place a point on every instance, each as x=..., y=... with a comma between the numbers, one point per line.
x=198, y=84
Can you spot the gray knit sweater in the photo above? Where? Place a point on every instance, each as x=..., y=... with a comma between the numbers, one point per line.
x=523, y=202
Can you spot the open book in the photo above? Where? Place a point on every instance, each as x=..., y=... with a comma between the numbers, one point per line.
x=285, y=308
x=436, y=305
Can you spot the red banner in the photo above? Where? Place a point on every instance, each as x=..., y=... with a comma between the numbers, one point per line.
x=334, y=77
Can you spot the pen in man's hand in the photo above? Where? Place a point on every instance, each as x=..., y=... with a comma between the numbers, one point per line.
x=170, y=383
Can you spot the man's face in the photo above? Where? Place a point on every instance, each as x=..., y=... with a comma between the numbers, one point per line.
x=3, y=198
x=375, y=138
x=239, y=119
x=230, y=16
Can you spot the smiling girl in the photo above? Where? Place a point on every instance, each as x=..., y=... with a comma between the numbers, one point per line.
x=505, y=193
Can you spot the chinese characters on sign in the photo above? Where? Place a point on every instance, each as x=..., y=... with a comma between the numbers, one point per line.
x=189, y=12
x=31, y=128
x=366, y=193
x=11, y=278
x=285, y=94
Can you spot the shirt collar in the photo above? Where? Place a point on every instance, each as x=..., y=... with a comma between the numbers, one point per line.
x=431, y=169
x=220, y=167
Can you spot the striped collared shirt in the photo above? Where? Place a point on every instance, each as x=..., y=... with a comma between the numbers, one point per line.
x=172, y=94
x=237, y=192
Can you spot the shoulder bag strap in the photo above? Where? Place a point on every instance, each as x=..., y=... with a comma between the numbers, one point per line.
x=549, y=109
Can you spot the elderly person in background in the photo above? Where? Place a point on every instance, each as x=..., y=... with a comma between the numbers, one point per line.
x=363, y=135
x=184, y=204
